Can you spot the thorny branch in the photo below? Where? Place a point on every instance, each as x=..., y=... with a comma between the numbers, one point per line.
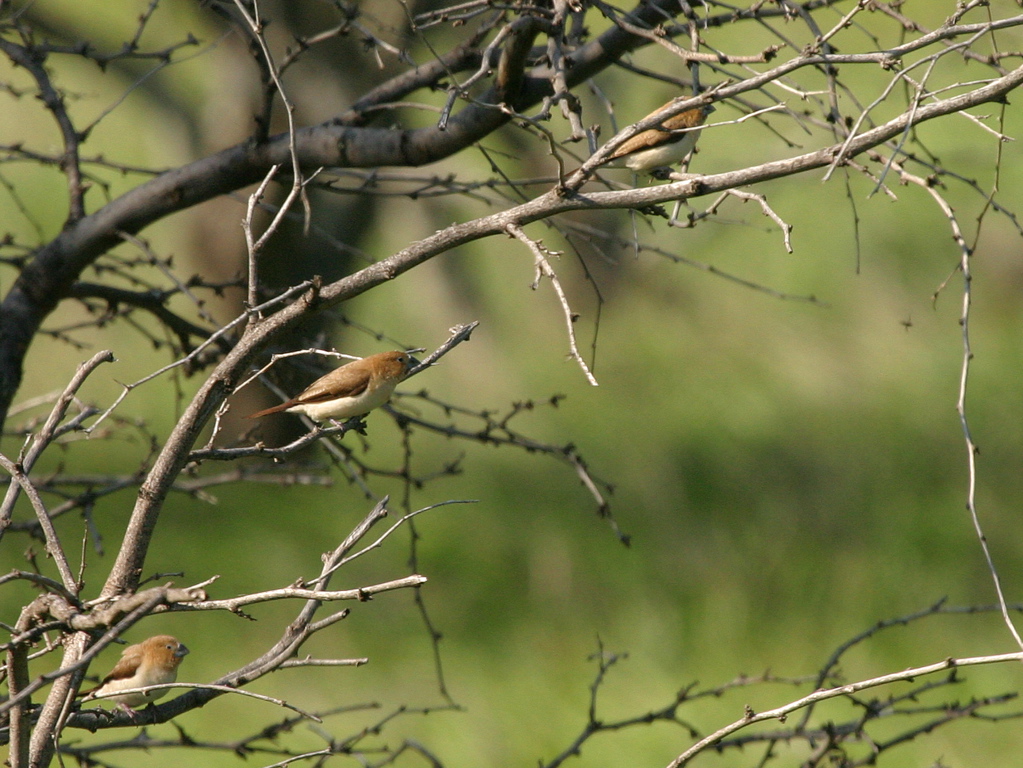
x=848, y=689
x=833, y=736
x=544, y=269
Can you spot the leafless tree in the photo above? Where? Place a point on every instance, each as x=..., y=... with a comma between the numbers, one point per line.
x=855, y=80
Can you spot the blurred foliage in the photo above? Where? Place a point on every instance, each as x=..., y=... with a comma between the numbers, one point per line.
x=790, y=472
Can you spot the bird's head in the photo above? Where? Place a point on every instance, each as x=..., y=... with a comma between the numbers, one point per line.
x=393, y=365
x=164, y=651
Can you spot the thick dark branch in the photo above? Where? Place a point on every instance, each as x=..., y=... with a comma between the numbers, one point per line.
x=154, y=302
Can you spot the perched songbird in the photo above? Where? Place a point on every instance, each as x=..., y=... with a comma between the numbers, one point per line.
x=151, y=662
x=354, y=389
x=666, y=143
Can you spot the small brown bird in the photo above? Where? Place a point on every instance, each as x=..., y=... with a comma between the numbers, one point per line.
x=354, y=389
x=151, y=662
x=666, y=143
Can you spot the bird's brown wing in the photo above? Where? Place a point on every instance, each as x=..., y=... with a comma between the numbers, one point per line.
x=652, y=137
x=125, y=667
x=347, y=381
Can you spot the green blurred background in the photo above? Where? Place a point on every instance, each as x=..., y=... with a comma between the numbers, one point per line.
x=790, y=473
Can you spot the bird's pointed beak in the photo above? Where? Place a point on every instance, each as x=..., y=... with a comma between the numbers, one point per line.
x=413, y=364
x=181, y=651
